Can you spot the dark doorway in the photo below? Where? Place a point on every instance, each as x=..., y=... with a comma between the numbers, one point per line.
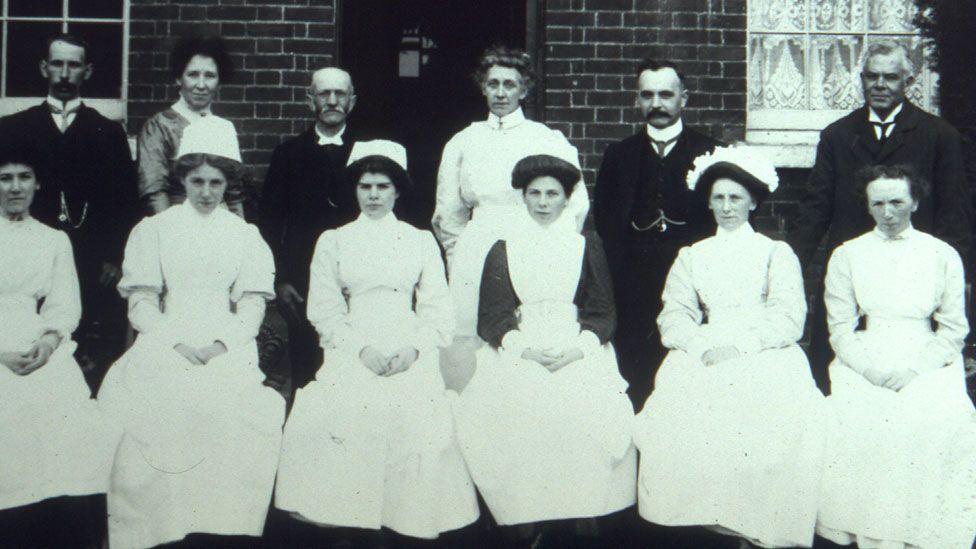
x=411, y=62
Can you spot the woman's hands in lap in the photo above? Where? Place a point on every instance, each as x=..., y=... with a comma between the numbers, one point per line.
x=387, y=366
x=553, y=360
x=896, y=381
x=714, y=356
x=200, y=355
x=27, y=362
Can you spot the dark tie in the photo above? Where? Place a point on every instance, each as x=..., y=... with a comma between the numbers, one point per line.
x=662, y=146
x=884, y=130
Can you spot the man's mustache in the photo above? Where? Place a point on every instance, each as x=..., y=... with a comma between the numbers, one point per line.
x=65, y=86
x=656, y=112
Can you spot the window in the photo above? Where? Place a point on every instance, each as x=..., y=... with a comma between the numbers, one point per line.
x=27, y=24
x=804, y=65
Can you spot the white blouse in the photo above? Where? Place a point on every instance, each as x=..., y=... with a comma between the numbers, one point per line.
x=911, y=278
x=747, y=286
x=476, y=171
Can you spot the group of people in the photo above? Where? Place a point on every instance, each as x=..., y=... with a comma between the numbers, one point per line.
x=512, y=369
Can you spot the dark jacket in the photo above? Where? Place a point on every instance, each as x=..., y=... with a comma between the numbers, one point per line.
x=831, y=203
x=304, y=195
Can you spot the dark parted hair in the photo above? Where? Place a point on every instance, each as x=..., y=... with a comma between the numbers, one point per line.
x=504, y=56
x=17, y=150
x=727, y=170
x=213, y=47
x=233, y=170
x=918, y=187
x=650, y=64
x=376, y=163
x=67, y=39
x=533, y=167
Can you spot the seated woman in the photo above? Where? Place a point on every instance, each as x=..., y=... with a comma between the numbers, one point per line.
x=730, y=439
x=202, y=434
x=545, y=423
x=369, y=443
x=901, y=464
x=56, y=450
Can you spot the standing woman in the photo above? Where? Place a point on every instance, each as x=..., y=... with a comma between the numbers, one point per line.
x=901, y=467
x=475, y=199
x=370, y=443
x=199, y=66
x=545, y=423
x=56, y=450
x=202, y=433
x=731, y=437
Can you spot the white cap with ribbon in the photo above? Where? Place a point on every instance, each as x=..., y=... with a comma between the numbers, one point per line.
x=210, y=135
x=379, y=147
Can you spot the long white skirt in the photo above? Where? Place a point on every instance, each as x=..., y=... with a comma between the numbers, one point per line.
x=367, y=451
x=737, y=446
x=55, y=441
x=901, y=466
x=547, y=446
x=200, y=447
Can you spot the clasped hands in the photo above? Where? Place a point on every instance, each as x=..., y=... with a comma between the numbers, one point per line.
x=386, y=366
x=715, y=355
x=200, y=355
x=896, y=381
x=24, y=363
x=552, y=359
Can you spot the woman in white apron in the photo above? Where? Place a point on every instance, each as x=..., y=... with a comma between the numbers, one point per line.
x=202, y=434
x=545, y=423
x=369, y=443
x=56, y=446
x=901, y=467
x=731, y=439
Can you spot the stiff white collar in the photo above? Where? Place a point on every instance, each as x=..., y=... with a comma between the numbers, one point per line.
x=330, y=140
x=183, y=109
x=873, y=116
x=384, y=223
x=906, y=234
x=510, y=120
x=68, y=106
x=667, y=134
x=743, y=230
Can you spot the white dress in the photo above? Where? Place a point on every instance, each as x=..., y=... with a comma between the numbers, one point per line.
x=736, y=446
x=201, y=443
x=362, y=450
x=55, y=440
x=901, y=468
x=476, y=202
x=540, y=445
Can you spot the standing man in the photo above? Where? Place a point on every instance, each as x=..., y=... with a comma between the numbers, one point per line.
x=887, y=130
x=88, y=190
x=645, y=213
x=303, y=196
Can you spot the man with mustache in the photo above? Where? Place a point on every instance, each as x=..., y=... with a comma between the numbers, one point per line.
x=88, y=190
x=645, y=213
x=888, y=130
x=303, y=195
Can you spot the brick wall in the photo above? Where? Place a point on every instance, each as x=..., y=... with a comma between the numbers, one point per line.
x=274, y=44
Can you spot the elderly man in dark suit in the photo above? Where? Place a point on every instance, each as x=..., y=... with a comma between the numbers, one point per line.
x=645, y=213
x=887, y=130
x=303, y=196
x=88, y=190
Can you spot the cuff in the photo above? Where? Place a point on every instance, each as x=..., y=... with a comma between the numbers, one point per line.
x=748, y=343
x=514, y=342
x=350, y=342
x=697, y=347
x=589, y=343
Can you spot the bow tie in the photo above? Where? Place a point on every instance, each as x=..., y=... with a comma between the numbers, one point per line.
x=334, y=140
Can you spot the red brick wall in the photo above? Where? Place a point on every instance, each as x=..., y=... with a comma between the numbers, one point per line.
x=275, y=44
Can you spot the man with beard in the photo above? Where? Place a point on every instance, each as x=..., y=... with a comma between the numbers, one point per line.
x=888, y=130
x=303, y=195
x=645, y=213
x=88, y=191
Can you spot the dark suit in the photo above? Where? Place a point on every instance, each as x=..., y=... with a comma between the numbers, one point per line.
x=91, y=164
x=831, y=205
x=633, y=183
x=303, y=196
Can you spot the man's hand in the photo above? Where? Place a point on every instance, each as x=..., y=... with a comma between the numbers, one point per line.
x=402, y=360
x=719, y=354
x=110, y=275
x=15, y=361
x=900, y=379
x=291, y=302
x=374, y=360
x=564, y=358
x=542, y=357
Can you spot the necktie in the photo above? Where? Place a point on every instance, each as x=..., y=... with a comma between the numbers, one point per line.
x=661, y=147
x=64, y=114
x=883, y=126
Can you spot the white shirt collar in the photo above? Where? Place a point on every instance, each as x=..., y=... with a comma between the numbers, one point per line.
x=873, y=116
x=666, y=134
x=333, y=140
x=384, y=223
x=907, y=234
x=742, y=230
x=510, y=120
x=183, y=109
x=72, y=105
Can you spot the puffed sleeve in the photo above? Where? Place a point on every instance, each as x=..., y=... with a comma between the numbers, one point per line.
x=253, y=287
x=61, y=309
x=451, y=213
x=434, y=306
x=142, y=276
x=597, y=314
x=498, y=302
x=327, y=307
x=843, y=313
x=155, y=149
x=785, y=310
x=680, y=319
x=949, y=337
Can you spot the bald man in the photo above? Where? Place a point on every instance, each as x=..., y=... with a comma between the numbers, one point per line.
x=302, y=197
